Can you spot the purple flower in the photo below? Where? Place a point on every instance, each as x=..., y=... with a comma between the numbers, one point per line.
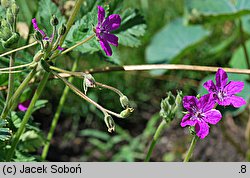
x=103, y=29
x=223, y=92
x=34, y=22
x=200, y=114
x=24, y=105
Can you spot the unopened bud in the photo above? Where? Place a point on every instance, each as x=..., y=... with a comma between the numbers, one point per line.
x=14, y=9
x=38, y=36
x=38, y=56
x=124, y=101
x=54, y=21
x=5, y=3
x=5, y=33
x=11, y=41
x=9, y=16
x=62, y=30
x=178, y=98
x=109, y=123
x=88, y=81
x=126, y=113
x=46, y=44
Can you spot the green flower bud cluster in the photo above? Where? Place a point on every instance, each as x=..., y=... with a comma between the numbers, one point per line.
x=8, y=35
x=170, y=105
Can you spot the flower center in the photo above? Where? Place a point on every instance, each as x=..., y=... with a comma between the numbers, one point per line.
x=221, y=95
x=198, y=114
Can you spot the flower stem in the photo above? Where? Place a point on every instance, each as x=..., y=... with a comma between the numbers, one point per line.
x=79, y=93
x=9, y=105
x=243, y=44
x=72, y=73
x=57, y=114
x=191, y=149
x=78, y=44
x=18, y=49
x=27, y=115
x=110, y=88
x=11, y=78
x=156, y=137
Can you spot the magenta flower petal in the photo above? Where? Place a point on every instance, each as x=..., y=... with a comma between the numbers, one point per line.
x=189, y=102
x=235, y=101
x=221, y=78
x=60, y=48
x=213, y=116
x=34, y=22
x=210, y=86
x=101, y=14
x=187, y=121
x=234, y=87
x=105, y=46
x=24, y=105
x=206, y=102
x=112, y=22
x=103, y=29
x=202, y=129
x=112, y=39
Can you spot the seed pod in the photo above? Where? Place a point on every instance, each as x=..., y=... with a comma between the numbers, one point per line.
x=38, y=36
x=62, y=30
x=14, y=9
x=5, y=3
x=9, y=16
x=126, y=113
x=54, y=20
x=124, y=101
x=11, y=41
x=109, y=123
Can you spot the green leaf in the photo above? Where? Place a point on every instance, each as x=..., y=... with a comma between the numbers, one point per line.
x=173, y=41
x=238, y=58
x=45, y=11
x=132, y=27
x=201, y=11
x=30, y=141
x=244, y=93
x=5, y=133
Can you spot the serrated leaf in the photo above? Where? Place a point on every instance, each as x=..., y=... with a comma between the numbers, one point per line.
x=30, y=141
x=173, y=41
x=244, y=93
x=238, y=59
x=5, y=133
x=45, y=11
x=201, y=11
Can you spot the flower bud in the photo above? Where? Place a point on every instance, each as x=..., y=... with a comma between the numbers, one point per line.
x=38, y=36
x=124, y=101
x=62, y=30
x=126, y=113
x=88, y=81
x=109, y=123
x=9, y=16
x=5, y=3
x=14, y=9
x=178, y=99
x=11, y=41
x=54, y=20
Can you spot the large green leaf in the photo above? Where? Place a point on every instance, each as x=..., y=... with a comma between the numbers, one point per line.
x=244, y=93
x=45, y=11
x=201, y=11
x=173, y=41
x=238, y=59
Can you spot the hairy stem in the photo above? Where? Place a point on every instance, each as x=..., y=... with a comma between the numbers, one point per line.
x=156, y=137
x=57, y=114
x=17, y=93
x=18, y=49
x=27, y=115
x=244, y=45
x=191, y=148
